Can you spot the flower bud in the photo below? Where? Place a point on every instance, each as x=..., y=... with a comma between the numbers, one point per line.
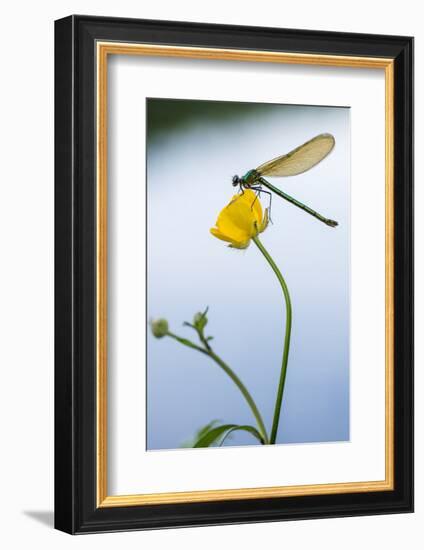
x=200, y=320
x=159, y=328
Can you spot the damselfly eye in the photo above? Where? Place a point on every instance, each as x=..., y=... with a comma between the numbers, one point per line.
x=236, y=181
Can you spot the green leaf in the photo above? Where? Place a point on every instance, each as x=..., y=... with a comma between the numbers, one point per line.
x=200, y=433
x=250, y=429
x=205, y=429
x=212, y=435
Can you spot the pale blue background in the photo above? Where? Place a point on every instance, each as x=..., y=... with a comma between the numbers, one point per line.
x=193, y=151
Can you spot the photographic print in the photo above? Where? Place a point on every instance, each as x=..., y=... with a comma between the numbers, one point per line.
x=248, y=250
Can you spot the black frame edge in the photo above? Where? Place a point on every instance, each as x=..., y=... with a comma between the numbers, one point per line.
x=404, y=270
x=64, y=448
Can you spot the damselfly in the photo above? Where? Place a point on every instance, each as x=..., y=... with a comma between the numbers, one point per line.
x=296, y=162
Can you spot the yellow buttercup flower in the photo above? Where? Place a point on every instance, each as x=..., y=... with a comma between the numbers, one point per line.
x=241, y=220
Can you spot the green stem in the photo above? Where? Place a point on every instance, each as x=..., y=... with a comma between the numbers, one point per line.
x=282, y=381
x=250, y=401
x=244, y=391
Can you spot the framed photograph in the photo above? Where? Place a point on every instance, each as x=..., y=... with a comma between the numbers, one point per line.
x=234, y=268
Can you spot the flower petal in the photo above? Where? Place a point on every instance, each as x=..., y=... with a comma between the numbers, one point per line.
x=240, y=220
x=233, y=243
x=236, y=220
x=265, y=221
x=240, y=245
x=217, y=233
x=252, y=199
x=257, y=209
x=247, y=195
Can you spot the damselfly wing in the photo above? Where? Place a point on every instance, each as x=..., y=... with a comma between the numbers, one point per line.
x=300, y=160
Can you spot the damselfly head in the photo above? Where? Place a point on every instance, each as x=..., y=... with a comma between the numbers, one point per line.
x=236, y=181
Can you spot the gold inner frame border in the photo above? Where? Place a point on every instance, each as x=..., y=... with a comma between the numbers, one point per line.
x=103, y=50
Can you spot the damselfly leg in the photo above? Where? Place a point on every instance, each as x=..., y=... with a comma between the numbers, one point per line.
x=258, y=189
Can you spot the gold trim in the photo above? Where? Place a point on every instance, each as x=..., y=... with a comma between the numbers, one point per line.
x=118, y=48
x=237, y=494
x=101, y=348
x=122, y=48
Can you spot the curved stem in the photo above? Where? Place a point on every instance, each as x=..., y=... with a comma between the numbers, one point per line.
x=280, y=391
x=243, y=390
x=250, y=401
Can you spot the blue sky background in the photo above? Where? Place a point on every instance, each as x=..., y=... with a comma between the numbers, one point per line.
x=194, y=149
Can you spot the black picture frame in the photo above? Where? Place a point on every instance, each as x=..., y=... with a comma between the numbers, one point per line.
x=76, y=510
